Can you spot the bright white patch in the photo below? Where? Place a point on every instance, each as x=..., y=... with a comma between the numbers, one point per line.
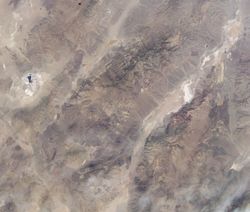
x=17, y=16
x=108, y=11
x=241, y=162
x=229, y=56
x=236, y=167
x=4, y=66
x=205, y=60
x=232, y=30
x=31, y=88
x=188, y=94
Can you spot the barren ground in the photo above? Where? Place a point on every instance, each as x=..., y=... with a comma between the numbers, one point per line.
x=116, y=106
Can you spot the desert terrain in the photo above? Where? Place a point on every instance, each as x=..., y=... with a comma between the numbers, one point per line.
x=125, y=106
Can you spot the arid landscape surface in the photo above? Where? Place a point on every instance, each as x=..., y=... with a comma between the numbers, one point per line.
x=125, y=106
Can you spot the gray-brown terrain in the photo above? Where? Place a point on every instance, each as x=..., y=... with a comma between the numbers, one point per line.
x=125, y=105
